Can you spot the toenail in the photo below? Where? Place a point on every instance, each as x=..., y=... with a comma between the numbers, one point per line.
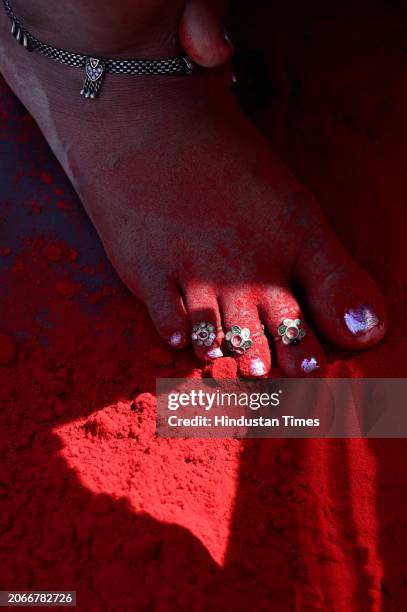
x=360, y=320
x=309, y=365
x=257, y=367
x=177, y=338
x=215, y=353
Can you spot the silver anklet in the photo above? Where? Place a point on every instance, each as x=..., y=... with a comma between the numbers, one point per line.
x=96, y=67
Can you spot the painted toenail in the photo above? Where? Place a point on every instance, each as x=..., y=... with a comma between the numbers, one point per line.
x=309, y=365
x=257, y=367
x=215, y=353
x=177, y=338
x=360, y=320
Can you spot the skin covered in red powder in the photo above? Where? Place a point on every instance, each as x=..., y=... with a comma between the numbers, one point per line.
x=91, y=500
x=8, y=350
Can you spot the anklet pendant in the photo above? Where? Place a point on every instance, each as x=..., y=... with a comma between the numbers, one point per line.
x=94, y=75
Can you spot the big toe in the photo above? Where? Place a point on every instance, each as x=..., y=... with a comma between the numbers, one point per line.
x=343, y=298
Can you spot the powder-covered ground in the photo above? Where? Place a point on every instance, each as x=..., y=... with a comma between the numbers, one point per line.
x=89, y=499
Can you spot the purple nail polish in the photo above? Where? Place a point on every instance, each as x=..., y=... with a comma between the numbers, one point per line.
x=177, y=338
x=257, y=367
x=309, y=365
x=215, y=353
x=360, y=320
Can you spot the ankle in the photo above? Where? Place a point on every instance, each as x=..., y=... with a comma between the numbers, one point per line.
x=146, y=28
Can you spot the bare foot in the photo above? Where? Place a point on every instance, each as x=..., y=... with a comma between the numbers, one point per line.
x=199, y=218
